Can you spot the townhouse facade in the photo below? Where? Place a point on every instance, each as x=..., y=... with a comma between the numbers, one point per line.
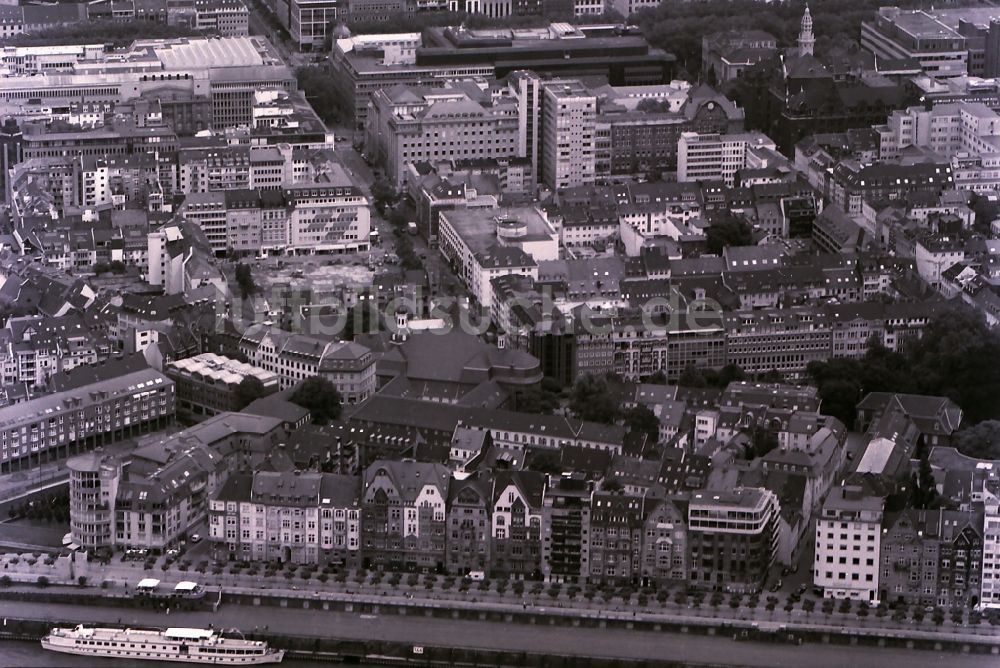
x=288, y=517
x=932, y=557
x=404, y=519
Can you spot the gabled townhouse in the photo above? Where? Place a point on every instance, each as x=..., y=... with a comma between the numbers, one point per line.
x=404, y=518
x=932, y=557
x=469, y=528
x=516, y=517
x=664, y=558
x=617, y=521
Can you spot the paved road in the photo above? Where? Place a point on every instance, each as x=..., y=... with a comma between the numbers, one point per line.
x=492, y=635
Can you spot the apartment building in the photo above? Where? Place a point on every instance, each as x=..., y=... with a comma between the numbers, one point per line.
x=35, y=348
x=516, y=524
x=732, y=538
x=617, y=524
x=155, y=508
x=207, y=384
x=568, y=134
x=93, y=488
x=931, y=557
x=848, y=540
x=470, y=530
x=717, y=157
x=295, y=357
x=990, y=594
x=425, y=124
x=485, y=244
x=404, y=518
x=156, y=494
x=207, y=210
x=783, y=339
x=228, y=18
x=664, y=544
x=289, y=517
x=566, y=529
x=74, y=421
x=852, y=184
x=168, y=481
x=332, y=216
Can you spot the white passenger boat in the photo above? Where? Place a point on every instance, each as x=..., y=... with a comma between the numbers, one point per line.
x=175, y=644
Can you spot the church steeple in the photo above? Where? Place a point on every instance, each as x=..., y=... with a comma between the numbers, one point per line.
x=806, y=39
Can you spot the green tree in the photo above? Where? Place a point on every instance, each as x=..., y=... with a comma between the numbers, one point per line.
x=101, y=32
x=839, y=387
x=544, y=462
x=657, y=378
x=762, y=441
x=955, y=357
x=692, y=376
x=924, y=492
x=244, y=280
x=320, y=397
x=318, y=85
x=641, y=419
x=249, y=389
x=981, y=441
x=772, y=376
x=611, y=485
x=538, y=399
x=729, y=231
x=591, y=399
x=727, y=374
x=362, y=318
x=384, y=194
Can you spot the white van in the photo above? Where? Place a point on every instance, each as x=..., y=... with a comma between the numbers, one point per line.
x=477, y=576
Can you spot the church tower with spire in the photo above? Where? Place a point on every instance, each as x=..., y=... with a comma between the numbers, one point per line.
x=806, y=39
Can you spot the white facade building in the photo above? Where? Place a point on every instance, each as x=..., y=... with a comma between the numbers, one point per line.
x=569, y=134
x=848, y=538
x=715, y=157
x=990, y=593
